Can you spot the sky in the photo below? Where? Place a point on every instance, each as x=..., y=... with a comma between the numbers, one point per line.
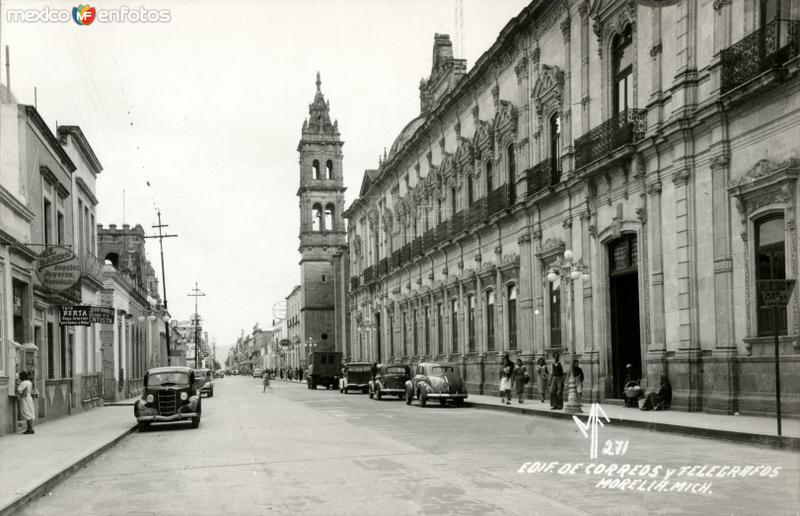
x=208, y=109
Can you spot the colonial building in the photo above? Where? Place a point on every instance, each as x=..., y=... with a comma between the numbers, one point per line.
x=322, y=229
x=609, y=181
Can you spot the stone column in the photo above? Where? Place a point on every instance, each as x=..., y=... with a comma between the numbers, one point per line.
x=539, y=323
x=655, y=108
x=583, y=10
x=590, y=353
x=566, y=110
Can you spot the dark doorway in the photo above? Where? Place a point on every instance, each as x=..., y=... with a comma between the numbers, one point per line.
x=624, y=283
x=378, y=338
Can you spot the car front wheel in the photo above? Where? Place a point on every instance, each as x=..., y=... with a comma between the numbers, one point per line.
x=143, y=426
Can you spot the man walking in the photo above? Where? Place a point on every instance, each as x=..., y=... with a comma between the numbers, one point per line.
x=557, y=384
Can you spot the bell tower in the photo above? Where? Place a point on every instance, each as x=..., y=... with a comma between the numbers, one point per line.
x=322, y=228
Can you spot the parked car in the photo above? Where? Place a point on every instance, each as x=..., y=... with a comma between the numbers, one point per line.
x=436, y=380
x=258, y=372
x=357, y=376
x=205, y=382
x=324, y=369
x=219, y=373
x=170, y=395
x=390, y=381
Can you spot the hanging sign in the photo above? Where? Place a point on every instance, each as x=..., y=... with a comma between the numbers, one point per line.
x=279, y=310
x=58, y=269
x=83, y=315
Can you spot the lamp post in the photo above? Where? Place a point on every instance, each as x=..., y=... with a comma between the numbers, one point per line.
x=569, y=271
x=310, y=344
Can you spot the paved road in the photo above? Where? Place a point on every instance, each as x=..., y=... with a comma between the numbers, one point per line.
x=296, y=451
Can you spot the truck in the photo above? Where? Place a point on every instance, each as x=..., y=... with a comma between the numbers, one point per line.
x=324, y=368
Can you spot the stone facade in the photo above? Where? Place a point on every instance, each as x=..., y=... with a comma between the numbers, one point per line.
x=322, y=228
x=657, y=145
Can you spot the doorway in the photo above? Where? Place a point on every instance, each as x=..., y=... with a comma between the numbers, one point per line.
x=624, y=297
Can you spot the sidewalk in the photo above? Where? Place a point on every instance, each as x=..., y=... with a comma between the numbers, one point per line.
x=746, y=429
x=31, y=465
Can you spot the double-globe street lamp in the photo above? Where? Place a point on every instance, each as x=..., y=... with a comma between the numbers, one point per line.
x=568, y=270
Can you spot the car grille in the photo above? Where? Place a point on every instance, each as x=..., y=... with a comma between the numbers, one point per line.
x=167, y=402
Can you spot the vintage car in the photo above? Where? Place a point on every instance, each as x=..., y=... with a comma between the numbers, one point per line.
x=357, y=376
x=390, y=381
x=170, y=395
x=258, y=372
x=204, y=381
x=435, y=380
x=219, y=373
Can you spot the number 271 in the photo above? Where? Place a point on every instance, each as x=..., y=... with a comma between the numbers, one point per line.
x=615, y=448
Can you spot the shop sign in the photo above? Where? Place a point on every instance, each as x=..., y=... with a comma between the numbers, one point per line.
x=279, y=310
x=58, y=269
x=775, y=292
x=83, y=315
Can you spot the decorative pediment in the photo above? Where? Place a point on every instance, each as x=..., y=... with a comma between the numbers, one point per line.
x=768, y=182
x=505, y=120
x=551, y=247
x=483, y=137
x=762, y=171
x=548, y=90
x=464, y=152
x=448, y=166
x=387, y=220
x=372, y=217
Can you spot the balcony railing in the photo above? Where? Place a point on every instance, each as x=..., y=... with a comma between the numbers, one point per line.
x=428, y=239
x=405, y=254
x=383, y=267
x=457, y=223
x=623, y=128
x=765, y=49
x=416, y=247
x=369, y=275
x=395, y=261
x=443, y=232
x=477, y=212
x=497, y=201
x=543, y=175
x=91, y=266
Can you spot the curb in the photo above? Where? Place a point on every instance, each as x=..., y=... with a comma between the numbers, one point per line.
x=57, y=478
x=773, y=441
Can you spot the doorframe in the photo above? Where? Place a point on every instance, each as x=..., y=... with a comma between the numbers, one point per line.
x=601, y=283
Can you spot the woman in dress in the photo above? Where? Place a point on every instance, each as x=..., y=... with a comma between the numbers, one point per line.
x=577, y=373
x=541, y=373
x=25, y=391
x=506, y=372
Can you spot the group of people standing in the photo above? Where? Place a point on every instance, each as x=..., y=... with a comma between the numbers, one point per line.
x=291, y=373
x=515, y=377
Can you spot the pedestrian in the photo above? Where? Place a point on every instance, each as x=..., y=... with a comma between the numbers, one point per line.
x=660, y=400
x=542, y=375
x=266, y=382
x=577, y=374
x=25, y=391
x=520, y=378
x=557, y=384
x=289, y=374
x=299, y=374
x=374, y=370
x=506, y=372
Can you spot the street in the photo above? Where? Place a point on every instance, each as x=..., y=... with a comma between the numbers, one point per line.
x=298, y=451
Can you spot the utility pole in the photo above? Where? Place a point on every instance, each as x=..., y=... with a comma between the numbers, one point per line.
x=195, y=294
x=161, y=238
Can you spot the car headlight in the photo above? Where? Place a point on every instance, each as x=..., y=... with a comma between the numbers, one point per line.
x=184, y=396
x=149, y=398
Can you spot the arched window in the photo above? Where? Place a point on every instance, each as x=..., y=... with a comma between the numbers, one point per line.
x=622, y=71
x=470, y=190
x=328, y=222
x=315, y=169
x=490, y=320
x=512, y=317
x=555, y=141
x=489, y=177
x=512, y=173
x=113, y=259
x=316, y=218
x=453, y=201
x=770, y=263
x=329, y=169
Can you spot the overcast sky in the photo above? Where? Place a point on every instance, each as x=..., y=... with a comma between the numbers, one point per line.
x=208, y=108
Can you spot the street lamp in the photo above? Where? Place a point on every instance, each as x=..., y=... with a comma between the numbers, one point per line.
x=310, y=344
x=569, y=271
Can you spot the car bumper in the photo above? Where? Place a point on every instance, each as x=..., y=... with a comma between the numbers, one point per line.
x=357, y=386
x=163, y=419
x=398, y=390
x=445, y=395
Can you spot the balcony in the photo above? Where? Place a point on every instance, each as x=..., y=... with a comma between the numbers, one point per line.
x=416, y=247
x=763, y=50
x=354, y=282
x=457, y=223
x=477, y=212
x=91, y=267
x=383, y=267
x=428, y=240
x=395, y=261
x=543, y=175
x=622, y=129
x=405, y=254
x=369, y=275
x=443, y=232
x=497, y=200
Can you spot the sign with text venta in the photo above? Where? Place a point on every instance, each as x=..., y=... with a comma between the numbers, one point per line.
x=58, y=268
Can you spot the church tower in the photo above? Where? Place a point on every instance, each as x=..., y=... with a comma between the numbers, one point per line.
x=322, y=228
